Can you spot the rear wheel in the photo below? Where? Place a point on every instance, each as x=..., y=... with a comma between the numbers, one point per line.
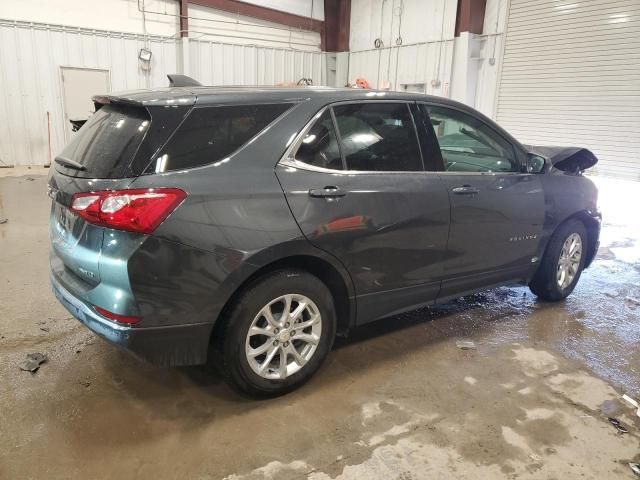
x=562, y=263
x=278, y=333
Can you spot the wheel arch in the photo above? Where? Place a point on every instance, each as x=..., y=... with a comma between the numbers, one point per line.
x=320, y=264
x=591, y=224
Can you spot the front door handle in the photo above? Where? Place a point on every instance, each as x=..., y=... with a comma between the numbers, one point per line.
x=327, y=192
x=465, y=190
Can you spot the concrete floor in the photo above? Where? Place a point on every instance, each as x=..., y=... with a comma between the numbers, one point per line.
x=398, y=400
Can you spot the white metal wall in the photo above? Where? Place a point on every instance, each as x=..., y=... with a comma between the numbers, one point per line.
x=420, y=63
x=31, y=55
x=214, y=63
x=571, y=76
x=30, y=59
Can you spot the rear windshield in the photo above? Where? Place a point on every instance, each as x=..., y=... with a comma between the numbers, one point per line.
x=108, y=141
x=209, y=134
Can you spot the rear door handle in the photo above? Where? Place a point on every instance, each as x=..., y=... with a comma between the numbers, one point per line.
x=465, y=190
x=327, y=192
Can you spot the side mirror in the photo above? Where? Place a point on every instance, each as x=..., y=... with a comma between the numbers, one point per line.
x=535, y=163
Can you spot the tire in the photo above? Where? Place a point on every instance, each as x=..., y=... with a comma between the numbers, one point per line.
x=546, y=283
x=236, y=350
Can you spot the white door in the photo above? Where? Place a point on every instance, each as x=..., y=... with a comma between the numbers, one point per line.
x=78, y=86
x=571, y=76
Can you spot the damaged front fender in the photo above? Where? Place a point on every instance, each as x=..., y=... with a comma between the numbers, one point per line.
x=568, y=159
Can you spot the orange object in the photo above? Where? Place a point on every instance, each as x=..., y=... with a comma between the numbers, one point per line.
x=362, y=83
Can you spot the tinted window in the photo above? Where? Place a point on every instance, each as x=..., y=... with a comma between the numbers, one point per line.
x=212, y=133
x=106, y=144
x=378, y=137
x=469, y=145
x=319, y=146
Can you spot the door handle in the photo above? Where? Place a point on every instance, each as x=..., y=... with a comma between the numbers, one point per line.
x=327, y=192
x=465, y=190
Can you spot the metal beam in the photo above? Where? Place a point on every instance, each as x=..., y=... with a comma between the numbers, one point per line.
x=337, y=19
x=184, y=18
x=263, y=13
x=470, y=16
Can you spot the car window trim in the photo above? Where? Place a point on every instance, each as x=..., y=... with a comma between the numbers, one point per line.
x=516, y=151
x=288, y=158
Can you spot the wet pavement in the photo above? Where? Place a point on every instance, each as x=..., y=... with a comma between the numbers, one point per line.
x=397, y=400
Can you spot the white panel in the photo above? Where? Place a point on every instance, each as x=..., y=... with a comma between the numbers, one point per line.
x=30, y=85
x=571, y=76
x=409, y=64
x=215, y=63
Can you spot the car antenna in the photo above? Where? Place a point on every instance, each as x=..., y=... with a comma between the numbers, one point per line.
x=177, y=80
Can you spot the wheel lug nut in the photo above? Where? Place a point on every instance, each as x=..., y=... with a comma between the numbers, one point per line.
x=277, y=330
x=293, y=332
x=275, y=342
x=286, y=344
x=286, y=325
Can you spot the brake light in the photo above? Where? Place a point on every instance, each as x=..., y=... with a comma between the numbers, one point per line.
x=129, y=320
x=136, y=210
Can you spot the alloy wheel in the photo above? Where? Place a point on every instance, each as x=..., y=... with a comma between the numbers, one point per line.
x=569, y=261
x=283, y=336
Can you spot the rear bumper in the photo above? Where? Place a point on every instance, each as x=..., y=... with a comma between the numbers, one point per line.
x=165, y=345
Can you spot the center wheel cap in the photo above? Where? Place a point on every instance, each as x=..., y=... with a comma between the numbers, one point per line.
x=284, y=336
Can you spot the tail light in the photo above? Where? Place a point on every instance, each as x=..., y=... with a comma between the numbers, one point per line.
x=125, y=319
x=136, y=210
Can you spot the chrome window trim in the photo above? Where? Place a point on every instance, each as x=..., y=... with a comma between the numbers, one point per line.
x=288, y=159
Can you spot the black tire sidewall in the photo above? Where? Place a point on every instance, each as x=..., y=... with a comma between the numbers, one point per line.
x=546, y=281
x=263, y=291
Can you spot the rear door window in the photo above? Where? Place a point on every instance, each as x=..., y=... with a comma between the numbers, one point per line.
x=319, y=147
x=378, y=137
x=106, y=144
x=209, y=134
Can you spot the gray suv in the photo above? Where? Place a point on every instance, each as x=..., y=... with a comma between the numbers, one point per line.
x=254, y=224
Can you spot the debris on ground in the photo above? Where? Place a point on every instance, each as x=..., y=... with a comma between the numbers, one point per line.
x=616, y=423
x=3, y=220
x=33, y=362
x=85, y=383
x=45, y=329
x=611, y=294
x=632, y=402
x=635, y=301
x=635, y=468
x=465, y=345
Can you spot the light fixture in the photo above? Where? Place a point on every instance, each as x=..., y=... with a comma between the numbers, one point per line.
x=145, y=55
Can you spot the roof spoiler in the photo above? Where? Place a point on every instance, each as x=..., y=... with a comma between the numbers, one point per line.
x=177, y=80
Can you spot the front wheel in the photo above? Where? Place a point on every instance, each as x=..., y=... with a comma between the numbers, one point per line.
x=278, y=333
x=562, y=263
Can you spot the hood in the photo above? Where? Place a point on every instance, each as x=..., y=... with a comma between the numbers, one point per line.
x=568, y=159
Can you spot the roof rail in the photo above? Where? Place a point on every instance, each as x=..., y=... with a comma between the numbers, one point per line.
x=177, y=80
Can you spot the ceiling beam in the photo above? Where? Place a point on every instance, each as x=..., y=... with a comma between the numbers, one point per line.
x=263, y=13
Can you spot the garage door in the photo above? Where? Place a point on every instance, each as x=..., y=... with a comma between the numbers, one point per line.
x=571, y=76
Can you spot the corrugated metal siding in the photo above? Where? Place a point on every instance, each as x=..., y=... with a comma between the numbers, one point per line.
x=571, y=76
x=214, y=63
x=30, y=59
x=32, y=54
x=408, y=64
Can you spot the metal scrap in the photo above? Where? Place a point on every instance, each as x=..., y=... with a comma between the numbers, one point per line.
x=632, y=402
x=616, y=423
x=635, y=468
x=465, y=345
x=33, y=362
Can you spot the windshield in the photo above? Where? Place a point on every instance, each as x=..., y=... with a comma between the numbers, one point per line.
x=105, y=145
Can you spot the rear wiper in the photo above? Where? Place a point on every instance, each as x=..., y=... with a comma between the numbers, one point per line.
x=67, y=162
